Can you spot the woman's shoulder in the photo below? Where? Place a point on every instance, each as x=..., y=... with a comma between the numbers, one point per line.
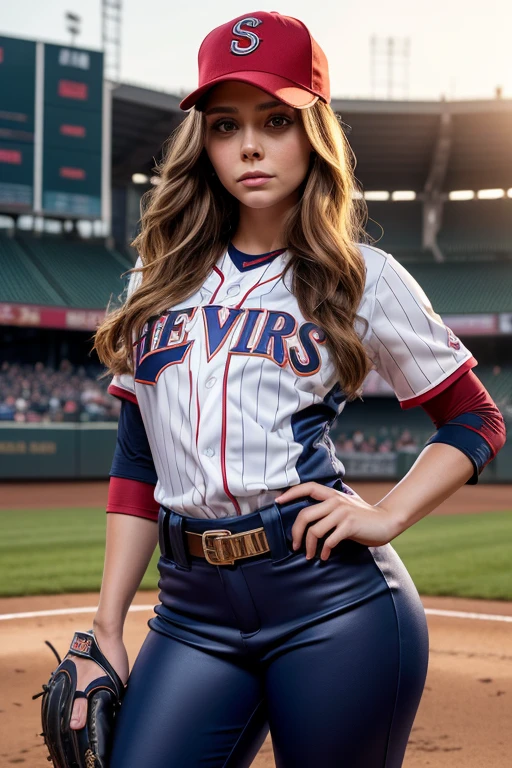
x=375, y=260
x=135, y=278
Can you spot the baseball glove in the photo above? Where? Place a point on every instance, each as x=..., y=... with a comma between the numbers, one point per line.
x=87, y=747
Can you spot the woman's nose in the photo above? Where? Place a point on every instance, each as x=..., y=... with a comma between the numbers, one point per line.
x=251, y=147
x=250, y=152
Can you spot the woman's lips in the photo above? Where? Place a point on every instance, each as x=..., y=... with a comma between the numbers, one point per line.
x=255, y=181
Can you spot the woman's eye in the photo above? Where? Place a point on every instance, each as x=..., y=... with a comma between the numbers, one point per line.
x=281, y=117
x=218, y=126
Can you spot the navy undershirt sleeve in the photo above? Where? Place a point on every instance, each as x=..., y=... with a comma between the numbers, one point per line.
x=459, y=433
x=467, y=418
x=132, y=456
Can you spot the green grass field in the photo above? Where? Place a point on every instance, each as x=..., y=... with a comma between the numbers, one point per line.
x=56, y=551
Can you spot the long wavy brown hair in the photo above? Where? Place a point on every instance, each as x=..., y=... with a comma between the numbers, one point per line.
x=188, y=219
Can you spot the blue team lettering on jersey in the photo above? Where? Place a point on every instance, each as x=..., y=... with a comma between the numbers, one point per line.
x=218, y=322
x=165, y=341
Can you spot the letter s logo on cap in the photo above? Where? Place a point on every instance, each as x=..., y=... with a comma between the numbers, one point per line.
x=250, y=21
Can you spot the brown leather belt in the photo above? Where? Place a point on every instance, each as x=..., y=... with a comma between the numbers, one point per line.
x=222, y=547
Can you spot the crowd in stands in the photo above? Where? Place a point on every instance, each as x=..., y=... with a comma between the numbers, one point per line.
x=39, y=393
x=383, y=442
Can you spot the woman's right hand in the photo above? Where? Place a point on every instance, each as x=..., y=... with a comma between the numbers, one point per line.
x=87, y=671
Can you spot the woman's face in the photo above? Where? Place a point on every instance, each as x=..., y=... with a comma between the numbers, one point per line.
x=247, y=129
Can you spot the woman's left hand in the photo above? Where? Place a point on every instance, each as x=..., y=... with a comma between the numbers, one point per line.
x=349, y=515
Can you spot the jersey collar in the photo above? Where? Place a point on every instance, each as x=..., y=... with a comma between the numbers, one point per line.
x=244, y=262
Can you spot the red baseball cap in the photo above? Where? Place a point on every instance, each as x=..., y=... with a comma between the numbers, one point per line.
x=273, y=52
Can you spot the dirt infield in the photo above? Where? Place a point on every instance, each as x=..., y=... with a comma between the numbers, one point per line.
x=27, y=495
x=464, y=716
x=463, y=720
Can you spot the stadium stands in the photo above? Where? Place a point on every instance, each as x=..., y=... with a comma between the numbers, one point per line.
x=481, y=228
x=397, y=228
x=471, y=287
x=39, y=393
x=75, y=393
x=55, y=271
x=470, y=229
x=21, y=281
x=58, y=272
x=476, y=240
x=498, y=380
x=82, y=273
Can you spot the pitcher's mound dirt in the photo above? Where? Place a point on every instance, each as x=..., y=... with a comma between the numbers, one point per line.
x=463, y=720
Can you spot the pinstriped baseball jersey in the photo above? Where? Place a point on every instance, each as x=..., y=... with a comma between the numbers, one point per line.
x=238, y=392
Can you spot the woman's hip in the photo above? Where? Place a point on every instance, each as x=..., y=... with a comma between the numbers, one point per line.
x=250, y=601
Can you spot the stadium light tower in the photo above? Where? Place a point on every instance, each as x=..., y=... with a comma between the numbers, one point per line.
x=111, y=17
x=73, y=22
x=389, y=51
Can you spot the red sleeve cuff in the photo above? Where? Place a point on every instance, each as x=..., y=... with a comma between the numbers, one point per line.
x=467, y=403
x=132, y=497
x=123, y=394
x=420, y=399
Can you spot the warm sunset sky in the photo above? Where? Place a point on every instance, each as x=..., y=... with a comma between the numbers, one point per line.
x=459, y=48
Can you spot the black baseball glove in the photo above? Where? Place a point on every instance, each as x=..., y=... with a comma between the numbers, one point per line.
x=87, y=747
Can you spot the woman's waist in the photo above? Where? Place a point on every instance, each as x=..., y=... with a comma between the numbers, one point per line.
x=245, y=522
x=221, y=495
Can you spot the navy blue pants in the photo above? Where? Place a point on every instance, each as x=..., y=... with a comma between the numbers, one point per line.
x=330, y=656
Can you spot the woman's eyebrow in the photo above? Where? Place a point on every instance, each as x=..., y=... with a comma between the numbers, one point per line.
x=233, y=110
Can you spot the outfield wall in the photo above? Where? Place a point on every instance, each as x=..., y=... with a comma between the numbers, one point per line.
x=84, y=451
x=56, y=451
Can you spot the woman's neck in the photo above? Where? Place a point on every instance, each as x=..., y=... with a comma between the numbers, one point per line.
x=260, y=230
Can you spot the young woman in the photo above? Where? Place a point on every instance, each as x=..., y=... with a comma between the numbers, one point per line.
x=253, y=316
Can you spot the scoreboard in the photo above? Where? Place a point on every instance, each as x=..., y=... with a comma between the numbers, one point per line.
x=53, y=130
x=17, y=118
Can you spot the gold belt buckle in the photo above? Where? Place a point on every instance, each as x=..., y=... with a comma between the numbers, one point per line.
x=221, y=547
